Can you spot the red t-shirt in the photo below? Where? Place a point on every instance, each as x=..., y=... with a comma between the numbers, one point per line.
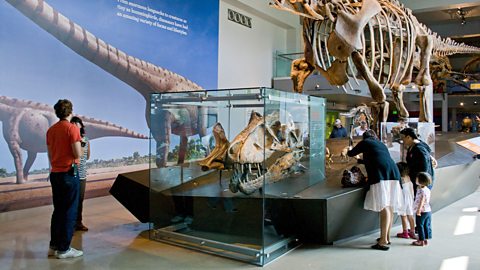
x=60, y=138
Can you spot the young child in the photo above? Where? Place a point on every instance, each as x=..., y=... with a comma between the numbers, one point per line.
x=422, y=209
x=406, y=211
x=82, y=171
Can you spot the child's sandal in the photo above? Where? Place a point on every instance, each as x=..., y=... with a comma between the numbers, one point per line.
x=418, y=243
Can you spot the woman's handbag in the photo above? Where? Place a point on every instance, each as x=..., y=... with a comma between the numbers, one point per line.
x=353, y=178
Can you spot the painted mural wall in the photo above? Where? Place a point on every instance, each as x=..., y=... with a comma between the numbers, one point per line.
x=110, y=56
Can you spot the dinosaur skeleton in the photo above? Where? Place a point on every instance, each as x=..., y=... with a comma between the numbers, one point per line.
x=378, y=39
x=359, y=114
x=25, y=124
x=146, y=78
x=267, y=150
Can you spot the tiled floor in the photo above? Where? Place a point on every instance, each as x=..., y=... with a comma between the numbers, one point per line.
x=116, y=240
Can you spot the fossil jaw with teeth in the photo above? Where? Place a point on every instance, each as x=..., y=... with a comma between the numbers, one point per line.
x=267, y=150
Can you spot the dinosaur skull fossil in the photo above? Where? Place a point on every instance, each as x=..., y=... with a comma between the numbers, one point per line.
x=266, y=149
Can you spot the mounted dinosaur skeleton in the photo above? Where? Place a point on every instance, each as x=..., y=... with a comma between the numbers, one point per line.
x=146, y=78
x=359, y=114
x=267, y=150
x=378, y=39
x=25, y=124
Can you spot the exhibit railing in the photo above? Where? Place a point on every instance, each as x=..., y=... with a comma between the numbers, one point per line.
x=223, y=163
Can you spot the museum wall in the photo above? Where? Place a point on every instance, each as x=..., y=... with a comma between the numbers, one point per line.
x=246, y=54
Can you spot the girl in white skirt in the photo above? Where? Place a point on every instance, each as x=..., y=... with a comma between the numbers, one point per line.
x=385, y=193
x=406, y=212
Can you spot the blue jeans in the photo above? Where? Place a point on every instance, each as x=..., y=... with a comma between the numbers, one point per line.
x=424, y=225
x=65, y=191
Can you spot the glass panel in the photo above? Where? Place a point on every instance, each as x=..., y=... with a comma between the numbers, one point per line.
x=283, y=63
x=211, y=152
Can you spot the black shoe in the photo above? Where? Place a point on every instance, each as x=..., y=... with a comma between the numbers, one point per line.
x=388, y=243
x=380, y=247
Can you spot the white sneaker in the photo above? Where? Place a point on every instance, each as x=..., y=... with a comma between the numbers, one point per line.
x=52, y=252
x=70, y=253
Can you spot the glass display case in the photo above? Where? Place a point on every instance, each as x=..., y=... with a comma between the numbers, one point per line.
x=223, y=163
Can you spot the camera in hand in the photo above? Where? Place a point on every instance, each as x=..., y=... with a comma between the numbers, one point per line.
x=83, y=144
x=72, y=170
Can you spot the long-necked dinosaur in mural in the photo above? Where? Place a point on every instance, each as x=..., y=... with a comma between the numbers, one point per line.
x=146, y=78
x=25, y=124
x=380, y=40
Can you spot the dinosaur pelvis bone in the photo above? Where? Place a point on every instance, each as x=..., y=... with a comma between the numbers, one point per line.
x=350, y=26
x=266, y=150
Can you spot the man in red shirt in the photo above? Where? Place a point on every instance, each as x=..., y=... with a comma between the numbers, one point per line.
x=64, y=150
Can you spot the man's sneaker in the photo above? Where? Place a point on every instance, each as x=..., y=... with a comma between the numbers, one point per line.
x=70, y=253
x=52, y=252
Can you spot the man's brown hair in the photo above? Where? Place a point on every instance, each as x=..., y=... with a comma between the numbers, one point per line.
x=63, y=108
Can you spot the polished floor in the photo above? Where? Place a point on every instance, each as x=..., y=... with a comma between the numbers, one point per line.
x=116, y=240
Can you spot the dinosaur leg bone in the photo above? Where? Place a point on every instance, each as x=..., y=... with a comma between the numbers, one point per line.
x=425, y=96
x=303, y=67
x=397, y=92
x=425, y=43
x=375, y=88
x=300, y=70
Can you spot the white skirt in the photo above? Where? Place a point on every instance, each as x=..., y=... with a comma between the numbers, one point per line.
x=408, y=198
x=382, y=194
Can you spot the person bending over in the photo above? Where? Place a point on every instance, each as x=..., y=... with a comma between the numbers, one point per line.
x=385, y=193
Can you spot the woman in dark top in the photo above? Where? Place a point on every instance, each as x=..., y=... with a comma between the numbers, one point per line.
x=384, y=194
x=419, y=157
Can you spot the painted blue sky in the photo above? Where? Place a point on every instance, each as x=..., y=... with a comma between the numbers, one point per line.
x=36, y=66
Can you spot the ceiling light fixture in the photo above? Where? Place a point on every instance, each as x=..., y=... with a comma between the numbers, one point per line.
x=461, y=103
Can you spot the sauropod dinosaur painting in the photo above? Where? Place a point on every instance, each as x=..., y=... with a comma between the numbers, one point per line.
x=95, y=53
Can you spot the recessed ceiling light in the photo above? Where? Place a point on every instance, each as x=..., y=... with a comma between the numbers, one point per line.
x=475, y=102
x=461, y=103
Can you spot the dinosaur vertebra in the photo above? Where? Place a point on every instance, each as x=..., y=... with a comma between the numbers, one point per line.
x=146, y=78
x=266, y=151
x=379, y=38
x=25, y=124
